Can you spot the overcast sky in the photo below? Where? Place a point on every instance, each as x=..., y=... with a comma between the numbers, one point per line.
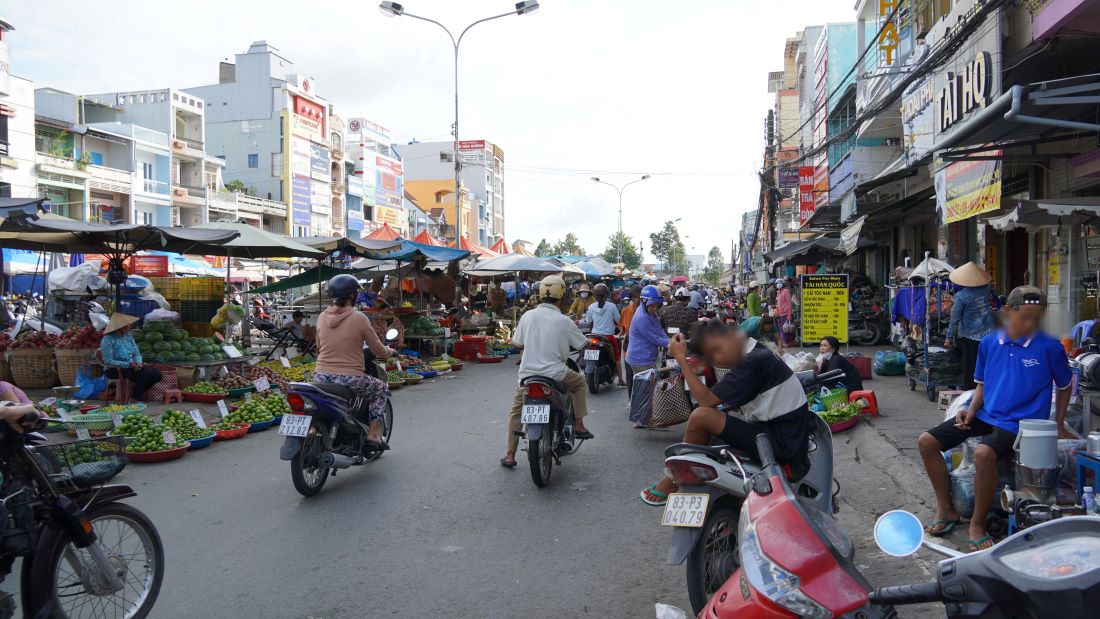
x=614, y=88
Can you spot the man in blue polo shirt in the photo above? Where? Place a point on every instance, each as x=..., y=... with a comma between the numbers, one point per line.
x=1016, y=369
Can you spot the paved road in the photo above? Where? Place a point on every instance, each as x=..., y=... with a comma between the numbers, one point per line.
x=437, y=528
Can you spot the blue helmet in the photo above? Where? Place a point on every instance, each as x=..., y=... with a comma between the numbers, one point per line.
x=343, y=286
x=652, y=295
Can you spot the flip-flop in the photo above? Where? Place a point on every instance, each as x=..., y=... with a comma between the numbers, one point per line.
x=585, y=435
x=653, y=490
x=976, y=545
x=506, y=464
x=948, y=527
x=378, y=445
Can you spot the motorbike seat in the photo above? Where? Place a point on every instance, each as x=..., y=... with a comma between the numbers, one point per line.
x=556, y=384
x=713, y=451
x=339, y=391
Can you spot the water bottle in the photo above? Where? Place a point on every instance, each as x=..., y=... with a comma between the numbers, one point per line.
x=1088, y=500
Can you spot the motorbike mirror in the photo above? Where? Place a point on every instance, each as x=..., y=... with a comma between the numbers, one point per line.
x=899, y=533
x=391, y=335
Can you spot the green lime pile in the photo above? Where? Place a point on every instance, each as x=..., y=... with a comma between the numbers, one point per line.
x=275, y=402
x=255, y=411
x=151, y=439
x=205, y=387
x=221, y=426
x=395, y=377
x=80, y=453
x=183, y=425
x=132, y=425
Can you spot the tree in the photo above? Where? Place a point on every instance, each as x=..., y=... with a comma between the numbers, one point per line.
x=716, y=265
x=569, y=246
x=235, y=186
x=666, y=245
x=631, y=258
x=544, y=249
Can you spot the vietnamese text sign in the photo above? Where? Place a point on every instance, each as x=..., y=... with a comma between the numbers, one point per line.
x=824, y=307
x=968, y=188
x=787, y=177
x=300, y=200
x=318, y=163
x=805, y=193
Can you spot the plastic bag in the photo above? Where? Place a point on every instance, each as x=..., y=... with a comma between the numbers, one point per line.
x=806, y=361
x=958, y=404
x=641, y=396
x=158, y=299
x=77, y=278
x=889, y=363
x=664, y=611
x=962, y=490
x=86, y=386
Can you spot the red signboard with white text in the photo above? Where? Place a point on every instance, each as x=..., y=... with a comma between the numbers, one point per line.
x=805, y=193
x=149, y=266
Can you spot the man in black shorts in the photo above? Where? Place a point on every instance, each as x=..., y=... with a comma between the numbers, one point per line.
x=768, y=394
x=1017, y=369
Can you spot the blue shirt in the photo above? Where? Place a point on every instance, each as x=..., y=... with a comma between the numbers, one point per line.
x=604, y=320
x=751, y=326
x=1016, y=377
x=697, y=300
x=971, y=314
x=646, y=336
x=119, y=351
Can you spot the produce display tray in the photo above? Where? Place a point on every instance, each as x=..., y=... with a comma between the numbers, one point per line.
x=491, y=358
x=229, y=435
x=395, y=385
x=132, y=409
x=843, y=425
x=240, y=391
x=260, y=426
x=426, y=373
x=199, y=443
x=208, y=398
x=456, y=366
x=159, y=456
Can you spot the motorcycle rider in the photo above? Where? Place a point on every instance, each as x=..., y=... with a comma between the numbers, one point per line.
x=341, y=332
x=604, y=316
x=547, y=337
x=581, y=303
x=680, y=314
x=646, y=335
x=768, y=393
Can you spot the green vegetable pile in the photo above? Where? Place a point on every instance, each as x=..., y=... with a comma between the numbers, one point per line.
x=184, y=426
x=206, y=387
x=151, y=439
x=423, y=325
x=260, y=409
x=841, y=413
x=395, y=377
x=132, y=425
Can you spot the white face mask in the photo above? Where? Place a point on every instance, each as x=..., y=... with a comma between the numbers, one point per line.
x=584, y=295
x=825, y=356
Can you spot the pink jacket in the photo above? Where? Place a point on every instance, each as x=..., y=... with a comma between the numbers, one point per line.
x=783, y=303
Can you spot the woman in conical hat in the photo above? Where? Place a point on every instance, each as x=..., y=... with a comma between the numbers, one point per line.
x=971, y=316
x=120, y=355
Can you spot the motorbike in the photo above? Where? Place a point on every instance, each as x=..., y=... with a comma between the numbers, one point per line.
x=17, y=315
x=83, y=550
x=548, y=425
x=1049, y=570
x=599, y=361
x=713, y=484
x=868, y=327
x=326, y=430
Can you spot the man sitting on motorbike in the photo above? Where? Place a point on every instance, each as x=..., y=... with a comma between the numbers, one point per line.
x=341, y=332
x=766, y=391
x=547, y=338
x=679, y=314
x=604, y=316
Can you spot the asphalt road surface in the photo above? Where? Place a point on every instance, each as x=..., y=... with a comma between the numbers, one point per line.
x=437, y=528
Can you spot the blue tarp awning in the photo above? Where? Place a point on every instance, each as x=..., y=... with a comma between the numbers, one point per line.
x=410, y=250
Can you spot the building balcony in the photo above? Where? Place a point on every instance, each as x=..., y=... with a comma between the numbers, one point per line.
x=222, y=203
x=249, y=205
x=186, y=196
x=338, y=188
x=191, y=149
x=148, y=185
x=336, y=154
x=110, y=179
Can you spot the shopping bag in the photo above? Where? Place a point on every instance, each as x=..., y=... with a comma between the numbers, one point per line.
x=641, y=396
x=833, y=398
x=671, y=405
x=88, y=387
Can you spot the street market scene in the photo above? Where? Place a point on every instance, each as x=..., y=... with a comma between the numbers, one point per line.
x=263, y=355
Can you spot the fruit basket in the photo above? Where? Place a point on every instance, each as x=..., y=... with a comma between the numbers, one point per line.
x=426, y=373
x=126, y=440
x=490, y=358
x=208, y=398
x=411, y=378
x=82, y=464
x=240, y=391
x=164, y=455
x=456, y=366
x=199, y=443
x=92, y=422
x=843, y=425
x=116, y=409
x=395, y=384
x=260, y=426
x=239, y=430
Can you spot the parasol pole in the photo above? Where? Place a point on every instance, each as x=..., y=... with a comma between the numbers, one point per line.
x=228, y=290
x=515, y=304
x=420, y=282
x=319, y=309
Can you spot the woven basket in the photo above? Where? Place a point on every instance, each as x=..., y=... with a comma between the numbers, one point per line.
x=5, y=369
x=32, y=368
x=69, y=362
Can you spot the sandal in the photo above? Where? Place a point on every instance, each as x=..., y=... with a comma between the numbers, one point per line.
x=378, y=445
x=945, y=530
x=506, y=464
x=980, y=544
x=652, y=490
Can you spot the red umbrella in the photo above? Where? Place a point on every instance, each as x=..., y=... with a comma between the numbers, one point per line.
x=500, y=247
x=426, y=239
x=385, y=233
x=471, y=246
x=680, y=279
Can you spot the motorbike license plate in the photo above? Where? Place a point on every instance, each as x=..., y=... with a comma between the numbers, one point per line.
x=685, y=510
x=592, y=354
x=536, y=413
x=295, y=425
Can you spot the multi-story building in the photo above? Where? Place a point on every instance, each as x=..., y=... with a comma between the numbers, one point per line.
x=380, y=171
x=338, y=219
x=267, y=123
x=17, y=159
x=482, y=176
x=438, y=196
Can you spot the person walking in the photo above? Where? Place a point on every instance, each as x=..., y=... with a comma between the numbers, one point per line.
x=783, y=312
x=752, y=301
x=971, y=316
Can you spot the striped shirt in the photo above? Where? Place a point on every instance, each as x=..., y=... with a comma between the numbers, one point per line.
x=762, y=386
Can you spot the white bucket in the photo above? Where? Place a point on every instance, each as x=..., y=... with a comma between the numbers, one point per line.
x=1037, y=444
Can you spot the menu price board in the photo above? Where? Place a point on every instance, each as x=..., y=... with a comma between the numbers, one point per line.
x=824, y=307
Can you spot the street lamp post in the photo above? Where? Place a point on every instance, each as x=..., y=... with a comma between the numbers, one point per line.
x=393, y=9
x=620, y=190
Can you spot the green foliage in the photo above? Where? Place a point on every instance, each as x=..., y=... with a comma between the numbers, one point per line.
x=544, y=249
x=235, y=186
x=667, y=247
x=715, y=267
x=630, y=256
x=569, y=246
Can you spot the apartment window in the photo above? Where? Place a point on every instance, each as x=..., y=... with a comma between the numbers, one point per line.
x=445, y=157
x=97, y=158
x=147, y=171
x=175, y=96
x=5, y=190
x=254, y=161
x=147, y=219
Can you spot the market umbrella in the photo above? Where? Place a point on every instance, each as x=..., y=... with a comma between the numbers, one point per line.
x=331, y=244
x=680, y=279
x=473, y=247
x=512, y=263
x=385, y=233
x=520, y=248
x=595, y=267
x=500, y=247
x=427, y=239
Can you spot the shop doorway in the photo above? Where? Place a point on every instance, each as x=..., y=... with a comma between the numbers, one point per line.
x=1016, y=258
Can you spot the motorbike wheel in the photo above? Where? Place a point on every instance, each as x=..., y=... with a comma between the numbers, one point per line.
x=869, y=335
x=65, y=578
x=593, y=382
x=307, y=476
x=714, y=557
x=540, y=453
x=387, y=430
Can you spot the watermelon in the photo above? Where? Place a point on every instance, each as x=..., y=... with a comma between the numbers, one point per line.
x=206, y=357
x=154, y=336
x=138, y=335
x=192, y=357
x=162, y=346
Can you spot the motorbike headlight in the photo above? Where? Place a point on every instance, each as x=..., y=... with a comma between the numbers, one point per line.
x=771, y=580
x=1060, y=559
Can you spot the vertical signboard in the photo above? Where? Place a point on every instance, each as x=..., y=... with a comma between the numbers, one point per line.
x=319, y=164
x=968, y=188
x=299, y=156
x=300, y=201
x=805, y=193
x=389, y=184
x=824, y=307
x=787, y=177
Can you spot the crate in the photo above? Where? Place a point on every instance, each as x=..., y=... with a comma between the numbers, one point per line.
x=198, y=311
x=167, y=287
x=198, y=329
x=137, y=308
x=201, y=288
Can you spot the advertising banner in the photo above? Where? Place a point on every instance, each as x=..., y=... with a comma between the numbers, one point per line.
x=320, y=198
x=968, y=188
x=805, y=193
x=318, y=163
x=307, y=120
x=787, y=176
x=355, y=220
x=149, y=266
x=299, y=156
x=299, y=201
x=387, y=215
x=821, y=185
x=389, y=185
x=824, y=307
x=471, y=152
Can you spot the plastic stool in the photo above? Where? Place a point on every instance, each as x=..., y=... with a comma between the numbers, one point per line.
x=173, y=395
x=118, y=390
x=872, y=403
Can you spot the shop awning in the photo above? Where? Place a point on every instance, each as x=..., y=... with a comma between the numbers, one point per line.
x=1049, y=212
x=889, y=212
x=330, y=244
x=310, y=277
x=512, y=263
x=410, y=250
x=812, y=251
x=27, y=206
x=252, y=242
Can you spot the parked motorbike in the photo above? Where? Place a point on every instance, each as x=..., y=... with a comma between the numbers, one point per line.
x=327, y=428
x=549, y=425
x=84, y=553
x=18, y=315
x=713, y=484
x=599, y=361
x=867, y=327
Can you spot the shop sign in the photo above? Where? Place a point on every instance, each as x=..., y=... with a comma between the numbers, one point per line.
x=888, y=38
x=821, y=185
x=299, y=156
x=307, y=120
x=389, y=183
x=300, y=201
x=5, y=68
x=824, y=307
x=388, y=215
x=319, y=163
x=355, y=220
x=149, y=266
x=320, y=198
x=471, y=152
x=965, y=92
x=968, y=188
x=372, y=129
x=787, y=175
x=805, y=193
x=917, y=117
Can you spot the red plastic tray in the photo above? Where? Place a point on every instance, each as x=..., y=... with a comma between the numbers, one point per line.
x=843, y=425
x=204, y=397
x=489, y=359
x=228, y=435
x=158, y=456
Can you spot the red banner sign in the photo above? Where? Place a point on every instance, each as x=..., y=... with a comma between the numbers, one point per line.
x=805, y=193
x=149, y=266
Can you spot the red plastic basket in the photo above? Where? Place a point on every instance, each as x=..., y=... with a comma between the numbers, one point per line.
x=204, y=397
x=490, y=358
x=228, y=435
x=862, y=364
x=158, y=456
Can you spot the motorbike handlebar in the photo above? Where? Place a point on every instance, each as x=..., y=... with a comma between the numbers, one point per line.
x=764, y=446
x=907, y=594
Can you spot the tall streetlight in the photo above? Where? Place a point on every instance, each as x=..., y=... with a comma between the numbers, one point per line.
x=620, y=189
x=393, y=9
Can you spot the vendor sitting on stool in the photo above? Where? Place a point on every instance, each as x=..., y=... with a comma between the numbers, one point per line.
x=1014, y=372
x=121, y=354
x=830, y=359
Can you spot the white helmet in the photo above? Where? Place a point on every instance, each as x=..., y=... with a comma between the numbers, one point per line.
x=682, y=292
x=552, y=287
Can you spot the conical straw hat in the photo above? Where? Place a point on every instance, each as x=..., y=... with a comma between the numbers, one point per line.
x=970, y=275
x=119, y=320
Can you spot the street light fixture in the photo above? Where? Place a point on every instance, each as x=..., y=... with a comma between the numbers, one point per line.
x=393, y=9
x=620, y=190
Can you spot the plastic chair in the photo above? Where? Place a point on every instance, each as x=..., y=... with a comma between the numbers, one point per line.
x=1081, y=331
x=872, y=403
x=173, y=395
x=119, y=387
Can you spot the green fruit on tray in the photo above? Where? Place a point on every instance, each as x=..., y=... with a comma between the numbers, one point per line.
x=151, y=439
x=260, y=409
x=205, y=387
x=154, y=336
x=183, y=425
x=221, y=426
x=132, y=424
